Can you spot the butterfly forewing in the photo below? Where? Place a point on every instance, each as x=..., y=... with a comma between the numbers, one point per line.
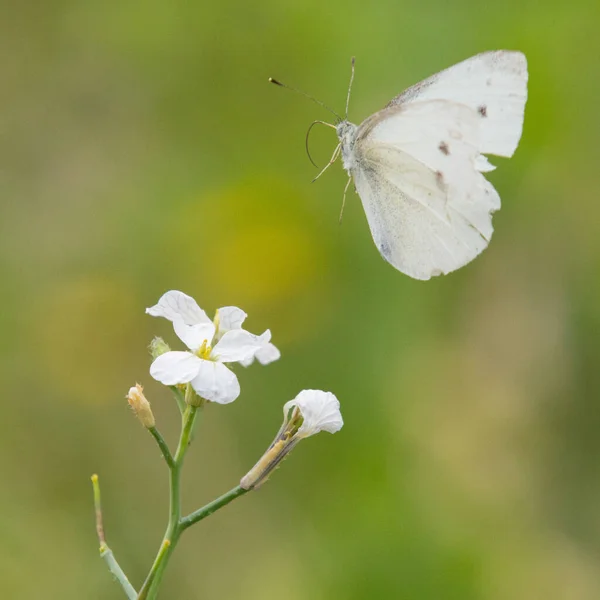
x=427, y=206
x=494, y=84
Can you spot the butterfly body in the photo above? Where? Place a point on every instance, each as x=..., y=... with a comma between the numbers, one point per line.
x=346, y=133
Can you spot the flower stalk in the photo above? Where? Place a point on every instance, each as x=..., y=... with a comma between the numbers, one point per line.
x=171, y=537
x=212, y=507
x=164, y=448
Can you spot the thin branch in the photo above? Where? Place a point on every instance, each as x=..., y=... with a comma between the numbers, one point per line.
x=164, y=448
x=211, y=507
x=98, y=509
x=105, y=551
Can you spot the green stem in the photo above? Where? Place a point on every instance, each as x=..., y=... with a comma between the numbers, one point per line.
x=163, y=446
x=105, y=551
x=211, y=507
x=177, y=525
x=150, y=587
x=117, y=572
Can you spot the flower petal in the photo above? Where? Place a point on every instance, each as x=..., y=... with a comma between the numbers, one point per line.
x=230, y=317
x=175, y=367
x=267, y=354
x=237, y=345
x=175, y=305
x=193, y=336
x=247, y=361
x=320, y=411
x=215, y=382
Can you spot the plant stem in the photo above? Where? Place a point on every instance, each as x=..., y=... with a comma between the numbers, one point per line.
x=117, y=572
x=105, y=551
x=177, y=525
x=150, y=587
x=211, y=507
x=164, y=448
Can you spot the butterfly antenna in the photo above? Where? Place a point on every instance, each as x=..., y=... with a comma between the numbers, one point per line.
x=350, y=86
x=308, y=133
x=283, y=85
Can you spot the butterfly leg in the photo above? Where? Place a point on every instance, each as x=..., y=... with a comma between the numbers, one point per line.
x=344, y=199
x=336, y=153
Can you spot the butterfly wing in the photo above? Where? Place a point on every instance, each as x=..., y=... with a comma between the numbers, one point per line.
x=494, y=84
x=428, y=206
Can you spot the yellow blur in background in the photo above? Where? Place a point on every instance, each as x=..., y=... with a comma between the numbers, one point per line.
x=141, y=150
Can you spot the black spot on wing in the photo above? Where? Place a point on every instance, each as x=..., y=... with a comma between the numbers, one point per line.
x=385, y=251
x=439, y=179
x=482, y=110
x=443, y=148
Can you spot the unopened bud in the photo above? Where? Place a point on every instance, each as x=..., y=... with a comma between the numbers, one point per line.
x=157, y=347
x=192, y=398
x=141, y=406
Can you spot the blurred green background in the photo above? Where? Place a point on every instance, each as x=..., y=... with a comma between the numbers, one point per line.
x=141, y=150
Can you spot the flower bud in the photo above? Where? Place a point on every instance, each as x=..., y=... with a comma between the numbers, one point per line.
x=141, y=406
x=192, y=398
x=157, y=347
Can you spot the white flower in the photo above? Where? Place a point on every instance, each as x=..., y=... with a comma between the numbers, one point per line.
x=203, y=367
x=310, y=412
x=320, y=411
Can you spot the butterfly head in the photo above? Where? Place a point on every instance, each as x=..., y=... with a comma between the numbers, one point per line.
x=346, y=133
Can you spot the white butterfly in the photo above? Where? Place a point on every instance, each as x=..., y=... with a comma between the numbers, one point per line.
x=417, y=164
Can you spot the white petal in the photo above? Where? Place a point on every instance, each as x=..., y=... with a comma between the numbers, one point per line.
x=320, y=411
x=175, y=367
x=193, y=336
x=230, y=317
x=175, y=305
x=267, y=354
x=215, y=382
x=237, y=345
x=247, y=361
x=265, y=337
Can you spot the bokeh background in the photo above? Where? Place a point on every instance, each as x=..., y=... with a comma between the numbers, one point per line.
x=142, y=149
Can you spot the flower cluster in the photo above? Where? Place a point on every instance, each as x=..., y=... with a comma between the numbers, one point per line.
x=214, y=344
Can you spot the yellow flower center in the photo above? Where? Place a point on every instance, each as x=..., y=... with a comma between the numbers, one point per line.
x=204, y=351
